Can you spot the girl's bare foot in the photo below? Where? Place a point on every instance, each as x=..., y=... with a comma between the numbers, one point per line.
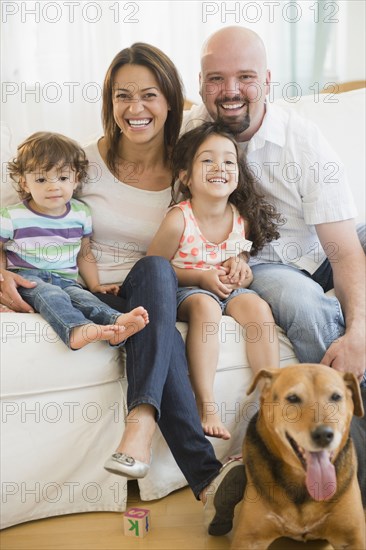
x=133, y=322
x=211, y=423
x=86, y=334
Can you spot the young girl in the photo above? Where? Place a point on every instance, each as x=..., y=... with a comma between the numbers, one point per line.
x=204, y=238
x=45, y=238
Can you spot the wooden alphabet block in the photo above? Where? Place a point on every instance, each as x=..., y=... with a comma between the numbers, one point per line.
x=136, y=522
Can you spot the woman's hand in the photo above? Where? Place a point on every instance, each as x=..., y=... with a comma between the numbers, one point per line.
x=106, y=289
x=238, y=273
x=9, y=296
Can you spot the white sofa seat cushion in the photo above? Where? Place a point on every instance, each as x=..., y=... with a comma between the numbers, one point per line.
x=53, y=449
x=62, y=413
x=37, y=361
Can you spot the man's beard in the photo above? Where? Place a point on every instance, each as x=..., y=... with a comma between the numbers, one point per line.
x=235, y=126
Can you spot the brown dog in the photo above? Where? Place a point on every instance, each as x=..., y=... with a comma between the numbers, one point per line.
x=300, y=461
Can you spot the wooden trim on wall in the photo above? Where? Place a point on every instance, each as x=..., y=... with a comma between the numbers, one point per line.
x=338, y=88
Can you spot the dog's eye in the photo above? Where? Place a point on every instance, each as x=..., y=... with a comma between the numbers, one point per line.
x=293, y=398
x=335, y=397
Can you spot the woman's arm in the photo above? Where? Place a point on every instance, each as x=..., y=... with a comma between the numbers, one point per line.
x=9, y=282
x=88, y=270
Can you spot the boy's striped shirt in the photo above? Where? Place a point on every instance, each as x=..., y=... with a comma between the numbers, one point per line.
x=36, y=241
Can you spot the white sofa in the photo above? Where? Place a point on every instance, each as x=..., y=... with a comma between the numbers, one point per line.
x=63, y=412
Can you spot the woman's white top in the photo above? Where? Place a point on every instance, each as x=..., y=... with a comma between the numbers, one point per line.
x=125, y=219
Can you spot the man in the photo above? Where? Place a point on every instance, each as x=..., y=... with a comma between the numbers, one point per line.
x=318, y=247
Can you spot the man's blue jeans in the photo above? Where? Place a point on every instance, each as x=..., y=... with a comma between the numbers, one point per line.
x=157, y=369
x=63, y=303
x=311, y=319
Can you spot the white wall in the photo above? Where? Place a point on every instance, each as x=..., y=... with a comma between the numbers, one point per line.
x=346, y=59
x=49, y=44
x=354, y=67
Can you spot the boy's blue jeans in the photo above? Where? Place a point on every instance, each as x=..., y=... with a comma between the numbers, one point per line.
x=64, y=304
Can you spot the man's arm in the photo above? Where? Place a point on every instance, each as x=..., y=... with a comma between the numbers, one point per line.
x=347, y=258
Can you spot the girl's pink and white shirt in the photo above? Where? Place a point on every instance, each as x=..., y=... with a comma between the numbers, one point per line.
x=196, y=252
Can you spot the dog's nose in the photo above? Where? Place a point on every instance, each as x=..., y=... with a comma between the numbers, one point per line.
x=322, y=436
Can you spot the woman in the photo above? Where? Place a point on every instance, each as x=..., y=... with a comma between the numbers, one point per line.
x=128, y=193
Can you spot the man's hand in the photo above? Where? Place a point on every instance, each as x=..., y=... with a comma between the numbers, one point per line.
x=9, y=296
x=106, y=289
x=348, y=354
x=239, y=274
x=342, y=246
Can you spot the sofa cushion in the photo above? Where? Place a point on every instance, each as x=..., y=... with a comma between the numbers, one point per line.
x=36, y=361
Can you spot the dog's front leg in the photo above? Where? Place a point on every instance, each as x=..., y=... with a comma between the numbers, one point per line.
x=349, y=541
x=254, y=530
x=250, y=543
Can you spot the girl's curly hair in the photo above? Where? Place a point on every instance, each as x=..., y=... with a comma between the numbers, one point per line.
x=262, y=217
x=41, y=152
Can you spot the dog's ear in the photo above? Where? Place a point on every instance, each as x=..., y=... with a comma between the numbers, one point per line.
x=352, y=383
x=267, y=374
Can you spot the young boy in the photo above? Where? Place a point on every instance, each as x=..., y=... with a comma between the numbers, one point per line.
x=46, y=239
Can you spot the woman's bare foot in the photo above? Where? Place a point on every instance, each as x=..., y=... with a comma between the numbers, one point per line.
x=133, y=322
x=86, y=334
x=211, y=423
x=138, y=433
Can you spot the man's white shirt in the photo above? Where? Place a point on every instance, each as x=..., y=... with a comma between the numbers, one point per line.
x=301, y=175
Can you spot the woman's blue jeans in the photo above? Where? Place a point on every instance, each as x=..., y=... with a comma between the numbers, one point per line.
x=157, y=370
x=64, y=304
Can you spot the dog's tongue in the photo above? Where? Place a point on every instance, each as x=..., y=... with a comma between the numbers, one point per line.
x=321, y=479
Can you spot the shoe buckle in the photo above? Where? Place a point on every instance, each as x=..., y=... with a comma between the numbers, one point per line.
x=124, y=459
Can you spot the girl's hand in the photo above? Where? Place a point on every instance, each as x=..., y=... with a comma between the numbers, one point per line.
x=9, y=296
x=210, y=280
x=106, y=289
x=239, y=274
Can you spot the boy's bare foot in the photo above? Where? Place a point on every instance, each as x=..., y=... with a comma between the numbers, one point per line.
x=86, y=334
x=211, y=423
x=133, y=322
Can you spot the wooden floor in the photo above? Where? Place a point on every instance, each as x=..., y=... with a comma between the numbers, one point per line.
x=176, y=523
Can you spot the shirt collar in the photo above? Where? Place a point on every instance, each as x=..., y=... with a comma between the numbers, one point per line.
x=272, y=129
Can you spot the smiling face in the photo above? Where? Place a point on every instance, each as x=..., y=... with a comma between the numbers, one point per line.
x=50, y=190
x=214, y=169
x=139, y=107
x=234, y=80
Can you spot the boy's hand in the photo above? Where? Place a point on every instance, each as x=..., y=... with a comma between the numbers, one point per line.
x=106, y=289
x=238, y=273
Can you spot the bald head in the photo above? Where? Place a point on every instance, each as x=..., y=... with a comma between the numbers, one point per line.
x=230, y=40
x=234, y=79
